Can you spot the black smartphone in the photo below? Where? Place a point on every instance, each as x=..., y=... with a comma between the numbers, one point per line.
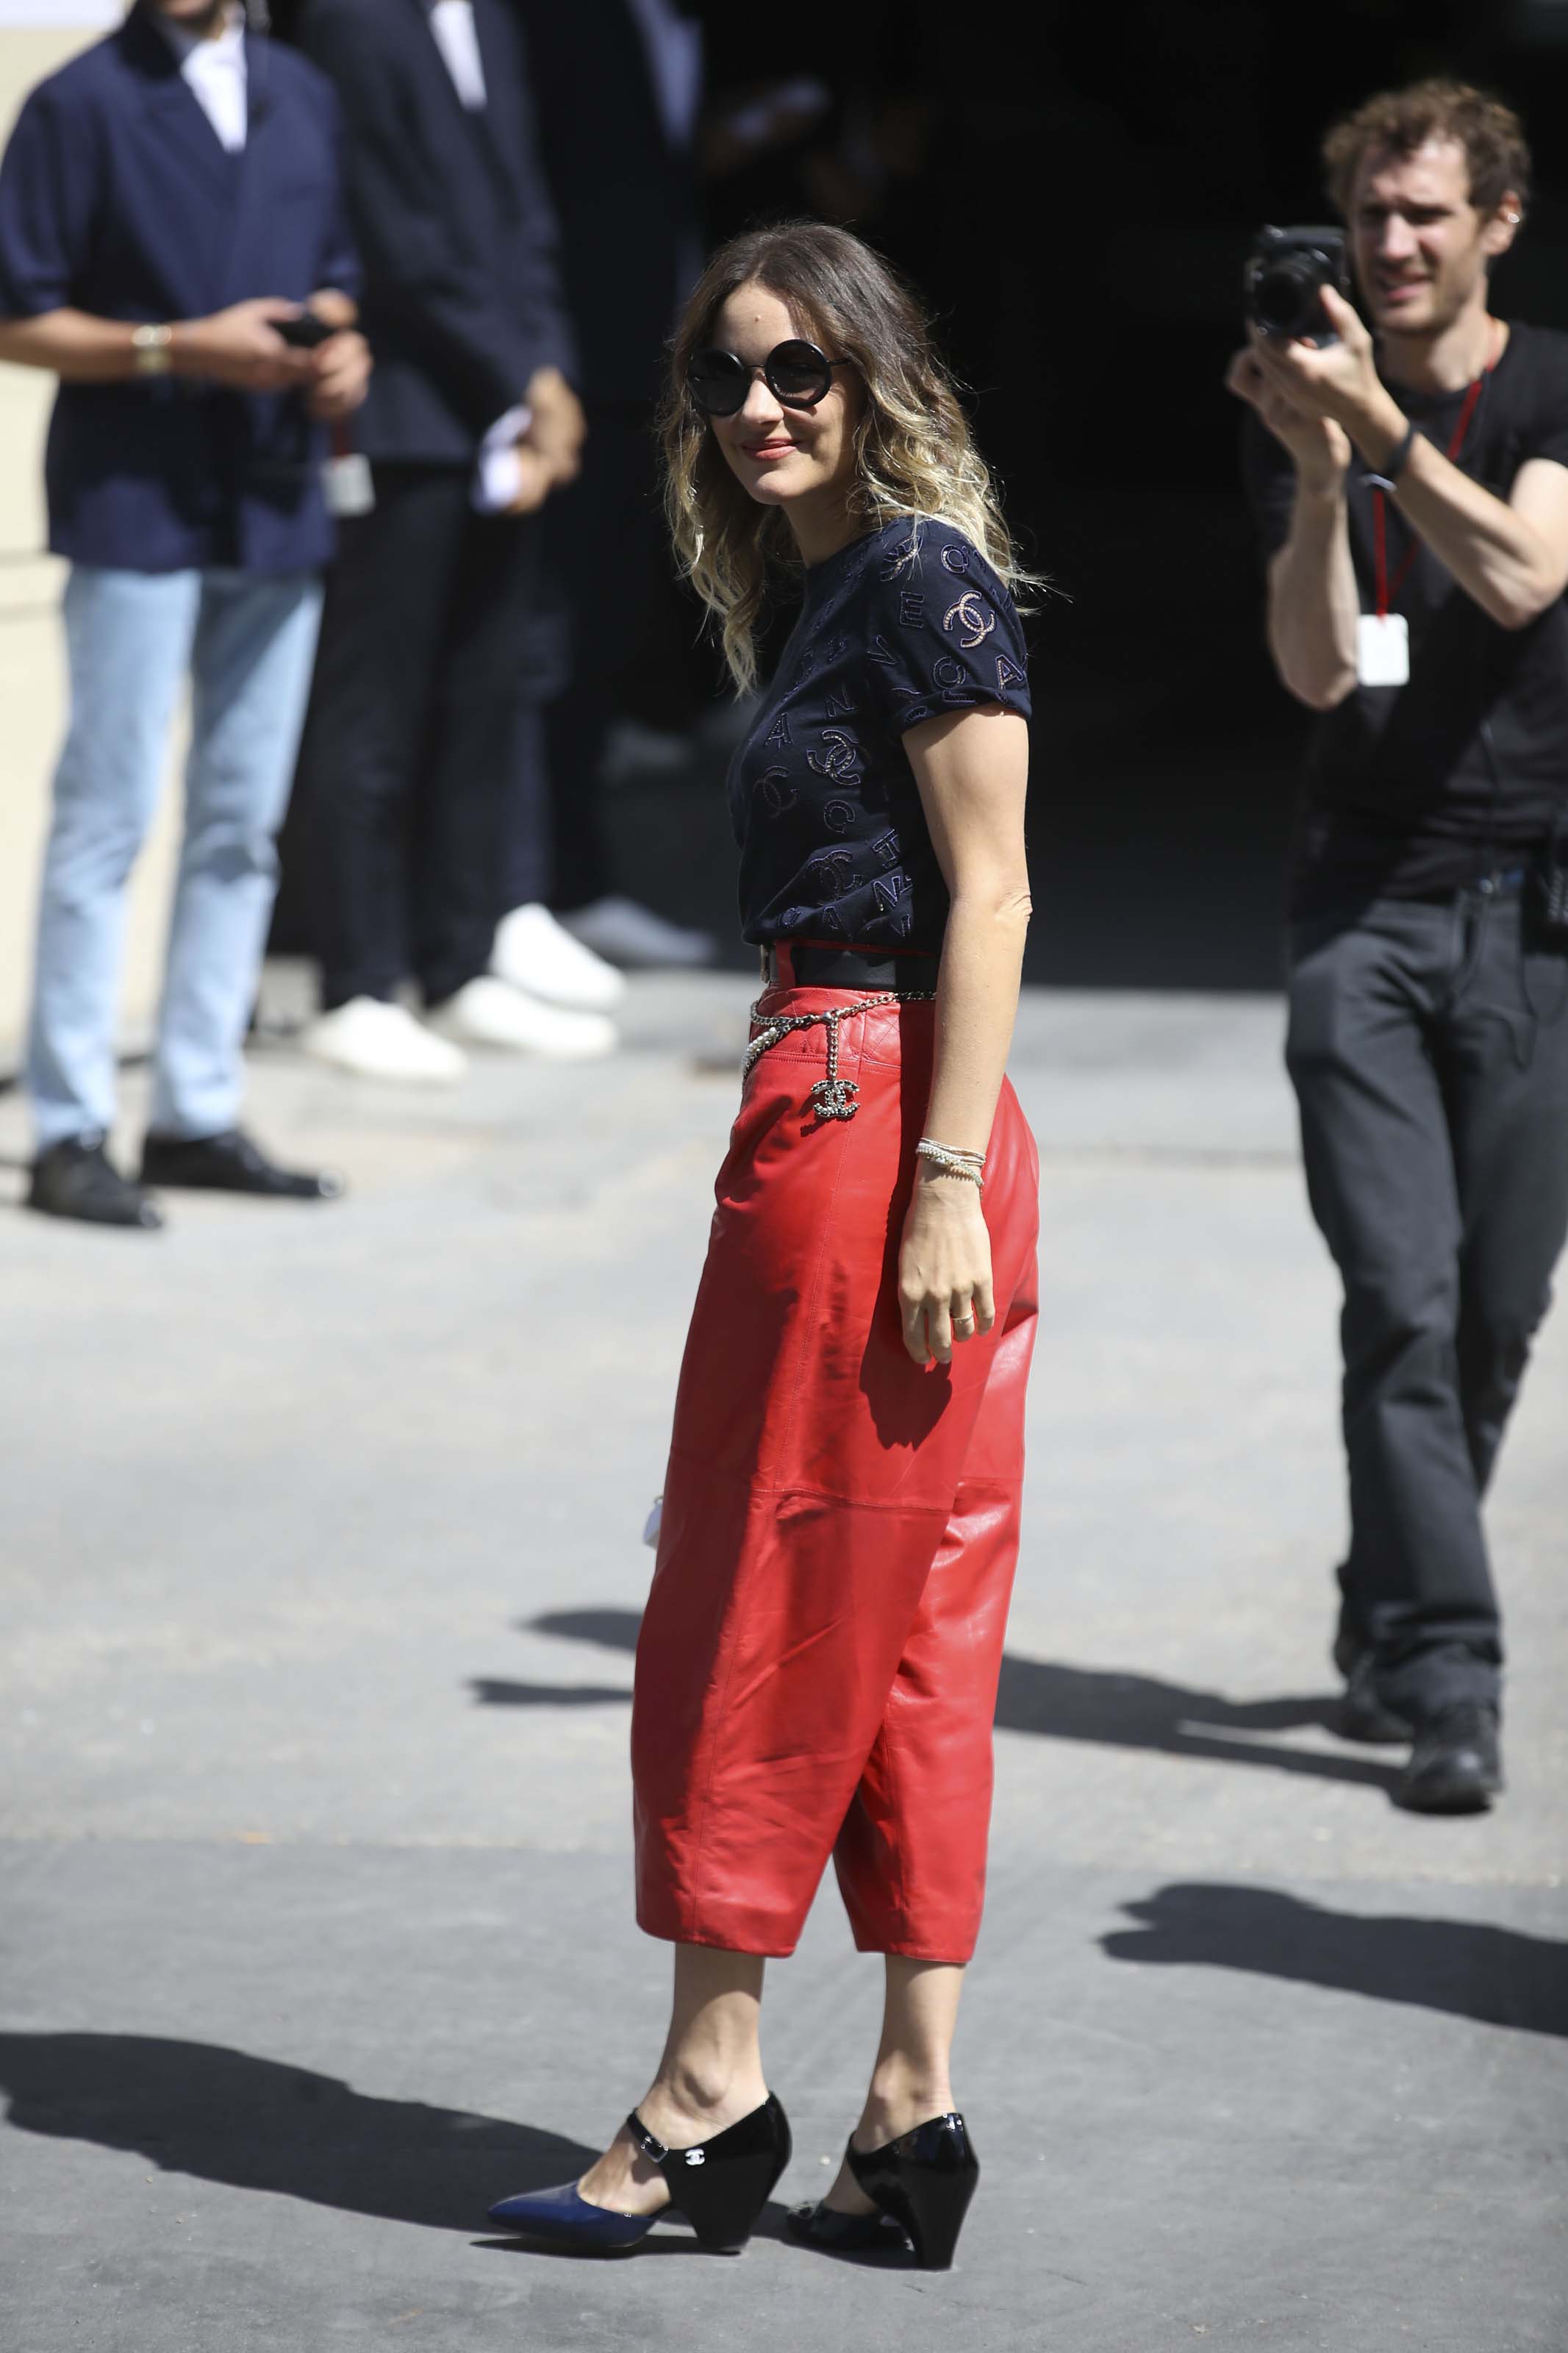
x=305, y=332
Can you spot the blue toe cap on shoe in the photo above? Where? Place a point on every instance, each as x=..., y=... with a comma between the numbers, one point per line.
x=565, y=2217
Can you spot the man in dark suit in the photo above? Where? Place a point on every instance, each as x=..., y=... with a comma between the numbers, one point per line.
x=170, y=202
x=423, y=762
x=620, y=83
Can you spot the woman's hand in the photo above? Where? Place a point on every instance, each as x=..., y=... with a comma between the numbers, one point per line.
x=945, y=1266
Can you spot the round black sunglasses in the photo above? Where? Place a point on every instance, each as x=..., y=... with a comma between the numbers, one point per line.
x=796, y=373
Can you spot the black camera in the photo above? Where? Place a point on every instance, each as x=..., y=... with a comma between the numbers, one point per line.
x=1286, y=272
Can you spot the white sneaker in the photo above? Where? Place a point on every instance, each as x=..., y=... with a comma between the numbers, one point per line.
x=383, y=1041
x=492, y=1013
x=533, y=953
x=627, y=933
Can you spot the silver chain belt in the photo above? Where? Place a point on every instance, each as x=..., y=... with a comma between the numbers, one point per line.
x=832, y=1097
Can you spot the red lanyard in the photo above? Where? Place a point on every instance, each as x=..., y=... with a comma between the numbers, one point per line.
x=1386, y=595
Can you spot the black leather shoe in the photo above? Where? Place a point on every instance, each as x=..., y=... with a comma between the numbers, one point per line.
x=1362, y=1716
x=77, y=1179
x=231, y=1163
x=1456, y=1766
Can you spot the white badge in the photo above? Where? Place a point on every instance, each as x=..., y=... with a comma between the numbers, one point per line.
x=348, y=485
x=1382, y=649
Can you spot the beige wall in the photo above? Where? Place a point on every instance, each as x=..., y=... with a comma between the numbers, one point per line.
x=32, y=685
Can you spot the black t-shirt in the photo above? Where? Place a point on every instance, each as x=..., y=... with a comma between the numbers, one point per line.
x=897, y=628
x=1403, y=795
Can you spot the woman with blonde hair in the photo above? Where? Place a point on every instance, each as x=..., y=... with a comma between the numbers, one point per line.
x=817, y=1669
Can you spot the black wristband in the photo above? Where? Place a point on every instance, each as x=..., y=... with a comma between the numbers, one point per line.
x=1389, y=478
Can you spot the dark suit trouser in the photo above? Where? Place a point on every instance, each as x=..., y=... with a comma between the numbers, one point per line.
x=422, y=765
x=1430, y=1053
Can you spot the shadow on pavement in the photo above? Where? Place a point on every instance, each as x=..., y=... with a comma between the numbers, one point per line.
x=1500, y=1976
x=1141, y=1712
x=612, y=1629
x=257, y=2123
x=490, y=1692
x=1036, y=1696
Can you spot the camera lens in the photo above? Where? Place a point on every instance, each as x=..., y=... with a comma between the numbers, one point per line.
x=1284, y=295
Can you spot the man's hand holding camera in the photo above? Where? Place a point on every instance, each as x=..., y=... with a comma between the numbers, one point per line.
x=1320, y=447
x=1319, y=399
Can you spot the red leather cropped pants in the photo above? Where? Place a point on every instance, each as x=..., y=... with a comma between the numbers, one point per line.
x=818, y=1662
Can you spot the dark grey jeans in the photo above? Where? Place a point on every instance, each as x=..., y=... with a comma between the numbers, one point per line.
x=1428, y=1048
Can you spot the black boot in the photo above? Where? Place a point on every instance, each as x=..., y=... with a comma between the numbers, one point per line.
x=1456, y=1766
x=1362, y=1716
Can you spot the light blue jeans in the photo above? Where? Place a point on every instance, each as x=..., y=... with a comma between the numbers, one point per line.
x=248, y=642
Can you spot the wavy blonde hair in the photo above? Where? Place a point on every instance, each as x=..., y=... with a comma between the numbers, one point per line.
x=914, y=454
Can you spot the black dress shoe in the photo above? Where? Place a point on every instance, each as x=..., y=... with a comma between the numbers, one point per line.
x=231, y=1163
x=1456, y=1766
x=1362, y=1716
x=77, y=1179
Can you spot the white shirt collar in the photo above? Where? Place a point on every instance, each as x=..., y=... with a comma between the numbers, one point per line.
x=215, y=72
x=456, y=38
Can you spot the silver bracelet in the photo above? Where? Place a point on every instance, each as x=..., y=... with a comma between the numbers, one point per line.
x=952, y=1161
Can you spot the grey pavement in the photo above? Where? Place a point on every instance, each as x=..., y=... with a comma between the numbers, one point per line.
x=321, y=1571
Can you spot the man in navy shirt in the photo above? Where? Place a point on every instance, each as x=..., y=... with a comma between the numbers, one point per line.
x=170, y=203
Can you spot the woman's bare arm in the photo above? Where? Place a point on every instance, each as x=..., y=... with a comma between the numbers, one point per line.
x=972, y=770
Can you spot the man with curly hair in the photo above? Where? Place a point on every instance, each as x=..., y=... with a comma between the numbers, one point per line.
x=1409, y=477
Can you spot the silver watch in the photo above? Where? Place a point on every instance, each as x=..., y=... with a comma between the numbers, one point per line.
x=154, y=348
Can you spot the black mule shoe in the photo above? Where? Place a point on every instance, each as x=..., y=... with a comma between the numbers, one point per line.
x=719, y=2185
x=924, y=2181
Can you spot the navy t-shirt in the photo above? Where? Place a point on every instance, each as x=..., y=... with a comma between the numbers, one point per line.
x=897, y=628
